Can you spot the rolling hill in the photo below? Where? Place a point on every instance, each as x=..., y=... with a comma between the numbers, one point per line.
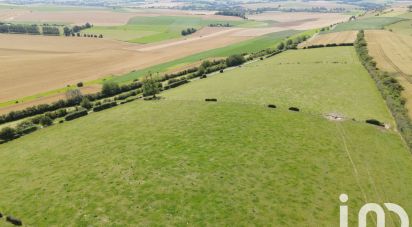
x=183, y=161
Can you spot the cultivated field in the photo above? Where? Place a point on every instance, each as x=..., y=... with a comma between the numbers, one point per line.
x=54, y=62
x=331, y=38
x=292, y=79
x=216, y=164
x=393, y=53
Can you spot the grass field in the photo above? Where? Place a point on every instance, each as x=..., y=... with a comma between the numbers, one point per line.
x=319, y=81
x=154, y=29
x=402, y=27
x=182, y=161
x=215, y=164
x=249, y=46
x=366, y=24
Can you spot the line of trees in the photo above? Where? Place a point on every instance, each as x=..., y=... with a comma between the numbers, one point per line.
x=67, y=31
x=51, y=30
x=32, y=29
x=227, y=25
x=389, y=88
x=240, y=14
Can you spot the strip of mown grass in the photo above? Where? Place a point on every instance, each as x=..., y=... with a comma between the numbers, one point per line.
x=249, y=46
x=197, y=163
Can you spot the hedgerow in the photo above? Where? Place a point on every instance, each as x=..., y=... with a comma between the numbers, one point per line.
x=389, y=88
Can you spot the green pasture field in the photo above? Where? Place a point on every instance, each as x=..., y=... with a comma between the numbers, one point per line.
x=154, y=29
x=402, y=27
x=248, y=46
x=319, y=81
x=196, y=163
x=368, y=23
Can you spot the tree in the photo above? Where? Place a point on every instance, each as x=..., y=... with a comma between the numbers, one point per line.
x=281, y=46
x=67, y=31
x=235, y=60
x=110, y=88
x=150, y=86
x=8, y=133
x=86, y=103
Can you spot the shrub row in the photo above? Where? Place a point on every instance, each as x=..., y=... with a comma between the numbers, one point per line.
x=175, y=84
x=328, y=45
x=104, y=106
x=75, y=115
x=389, y=88
x=109, y=89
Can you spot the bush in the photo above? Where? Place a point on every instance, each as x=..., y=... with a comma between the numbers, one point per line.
x=45, y=121
x=86, y=103
x=77, y=114
x=104, y=106
x=80, y=84
x=8, y=134
x=110, y=88
x=235, y=60
x=176, y=84
x=375, y=122
x=26, y=127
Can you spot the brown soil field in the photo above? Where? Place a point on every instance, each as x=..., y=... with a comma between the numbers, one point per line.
x=98, y=17
x=54, y=62
x=331, y=38
x=393, y=53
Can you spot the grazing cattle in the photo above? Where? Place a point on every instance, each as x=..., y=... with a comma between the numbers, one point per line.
x=14, y=221
x=211, y=100
x=271, y=106
x=294, y=109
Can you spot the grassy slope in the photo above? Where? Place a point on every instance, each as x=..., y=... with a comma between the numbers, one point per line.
x=253, y=45
x=194, y=163
x=155, y=29
x=199, y=164
x=367, y=23
x=403, y=27
x=316, y=80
